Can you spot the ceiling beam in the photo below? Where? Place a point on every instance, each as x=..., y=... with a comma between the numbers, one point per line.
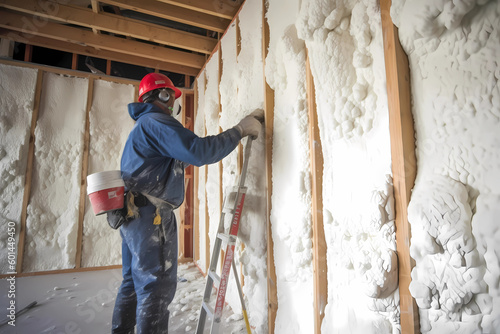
x=113, y=24
x=22, y=24
x=104, y=54
x=221, y=8
x=173, y=13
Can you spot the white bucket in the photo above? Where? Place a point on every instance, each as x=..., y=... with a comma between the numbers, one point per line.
x=105, y=190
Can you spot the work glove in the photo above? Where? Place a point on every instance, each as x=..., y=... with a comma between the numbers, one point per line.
x=251, y=124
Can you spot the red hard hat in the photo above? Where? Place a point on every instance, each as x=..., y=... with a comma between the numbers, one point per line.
x=153, y=81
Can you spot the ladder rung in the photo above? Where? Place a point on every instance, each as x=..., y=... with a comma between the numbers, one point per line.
x=230, y=240
x=214, y=276
x=208, y=309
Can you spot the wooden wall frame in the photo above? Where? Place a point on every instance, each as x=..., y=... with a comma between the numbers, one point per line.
x=41, y=70
x=29, y=172
x=320, y=269
x=404, y=167
x=196, y=200
x=84, y=173
x=404, y=171
x=272, y=289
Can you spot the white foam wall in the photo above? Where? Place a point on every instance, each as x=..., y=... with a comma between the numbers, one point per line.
x=110, y=125
x=250, y=94
x=344, y=41
x=291, y=198
x=17, y=91
x=241, y=92
x=52, y=221
x=231, y=112
x=211, y=110
x=453, y=50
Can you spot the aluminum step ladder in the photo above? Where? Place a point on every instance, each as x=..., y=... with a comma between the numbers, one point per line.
x=233, y=205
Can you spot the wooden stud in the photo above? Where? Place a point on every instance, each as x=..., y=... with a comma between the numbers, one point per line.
x=196, y=201
x=29, y=172
x=108, y=67
x=83, y=176
x=207, y=223
x=221, y=171
x=319, y=242
x=272, y=289
x=74, y=61
x=189, y=211
x=207, y=216
x=404, y=165
x=136, y=92
x=238, y=36
x=182, y=208
x=28, y=52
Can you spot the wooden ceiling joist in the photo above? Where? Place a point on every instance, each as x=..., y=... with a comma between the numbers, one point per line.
x=18, y=22
x=173, y=13
x=104, y=54
x=96, y=9
x=221, y=8
x=99, y=21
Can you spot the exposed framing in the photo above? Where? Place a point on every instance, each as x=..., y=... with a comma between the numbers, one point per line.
x=404, y=171
x=272, y=289
x=84, y=173
x=29, y=172
x=14, y=21
x=97, y=20
x=186, y=209
x=174, y=13
x=182, y=208
x=207, y=216
x=196, y=200
x=404, y=165
x=320, y=269
x=221, y=188
x=42, y=69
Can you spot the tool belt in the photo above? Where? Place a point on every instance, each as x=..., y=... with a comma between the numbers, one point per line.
x=131, y=203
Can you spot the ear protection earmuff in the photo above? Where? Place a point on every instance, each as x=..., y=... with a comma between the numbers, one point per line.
x=164, y=95
x=176, y=109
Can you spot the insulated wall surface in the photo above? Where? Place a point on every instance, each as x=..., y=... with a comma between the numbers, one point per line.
x=52, y=221
x=17, y=92
x=344, y=42
x=110, y=125
x=291, y=197
x=241, y=90
x=201, y=211
x=454, y=51
x=211, y=110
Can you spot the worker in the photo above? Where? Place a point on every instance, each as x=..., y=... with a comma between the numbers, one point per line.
x=156, y=153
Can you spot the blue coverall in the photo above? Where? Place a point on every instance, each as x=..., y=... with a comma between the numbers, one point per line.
x=156, y=152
